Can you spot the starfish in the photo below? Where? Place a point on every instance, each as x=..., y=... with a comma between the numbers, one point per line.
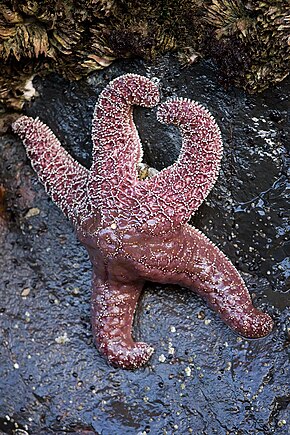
x=136, y=230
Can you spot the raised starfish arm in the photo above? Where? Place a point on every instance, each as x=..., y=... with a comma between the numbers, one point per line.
x=113, y=308
x=63, y=177
x=169, y=198
x=117, y=149
x=188, y=258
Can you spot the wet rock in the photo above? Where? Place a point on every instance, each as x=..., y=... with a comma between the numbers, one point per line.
x=202, y=378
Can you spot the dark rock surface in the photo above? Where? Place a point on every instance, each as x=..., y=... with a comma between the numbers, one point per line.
x=202, y=378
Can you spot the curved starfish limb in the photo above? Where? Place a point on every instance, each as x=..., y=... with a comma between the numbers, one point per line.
x=117, y=147
x=188, y=258
x=63, y=177
x=113, y=307
x=169, y=198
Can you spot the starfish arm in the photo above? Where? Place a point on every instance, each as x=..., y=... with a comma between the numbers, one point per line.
x=190, y=259
x=63, y=177
x=113, y=308
x=117, y=149
x=169, y=198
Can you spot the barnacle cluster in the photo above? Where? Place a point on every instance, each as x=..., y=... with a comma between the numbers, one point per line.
x=49, y=36
x=248, y=40
x=73, y=38
x=49, y=28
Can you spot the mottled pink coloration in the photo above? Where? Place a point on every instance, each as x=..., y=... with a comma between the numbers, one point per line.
x=136, y=230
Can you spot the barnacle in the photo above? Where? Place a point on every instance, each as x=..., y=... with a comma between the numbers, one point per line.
x=100, y=55
x=228, y=17
x=66, y=36
x=103, y=8
x=187, y=56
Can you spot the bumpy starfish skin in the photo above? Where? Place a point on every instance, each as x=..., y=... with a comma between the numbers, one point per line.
x=136, y=230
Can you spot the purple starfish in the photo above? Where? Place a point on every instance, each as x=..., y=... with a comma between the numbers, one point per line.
x=137, y=230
